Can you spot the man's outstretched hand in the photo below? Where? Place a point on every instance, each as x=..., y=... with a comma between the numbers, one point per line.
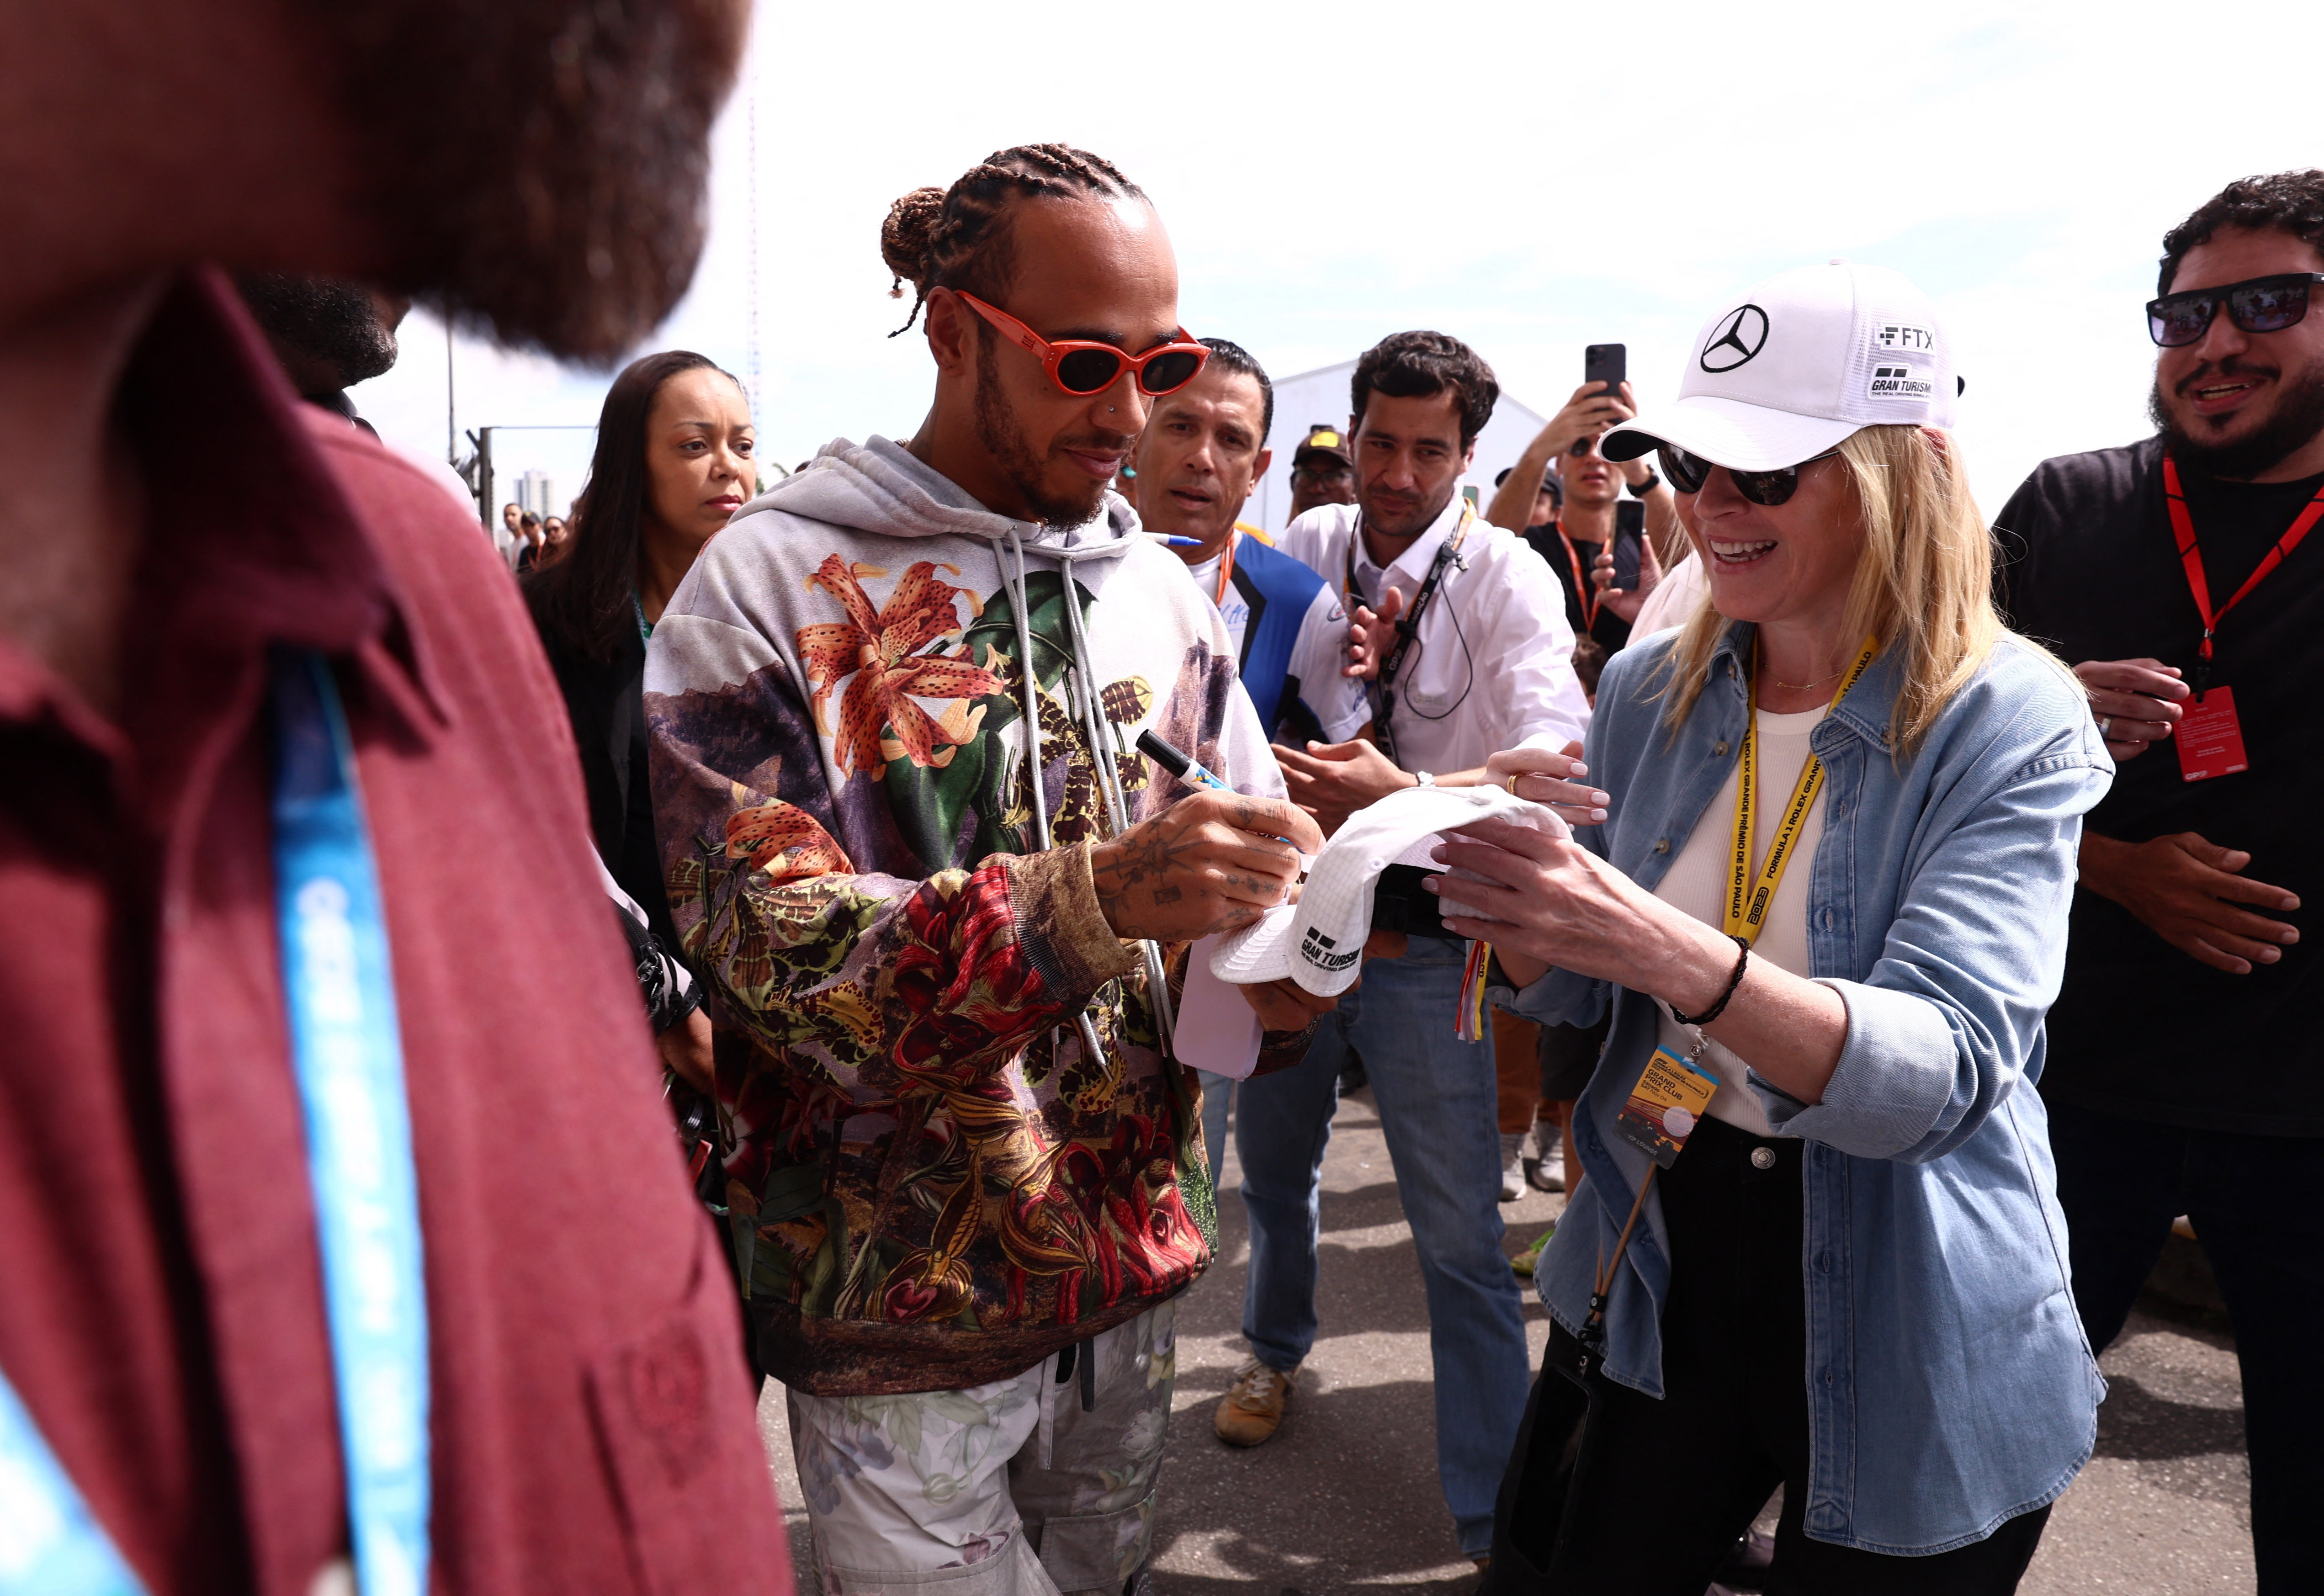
x=1210, y=863
x=1371, y=636
x=2187, y=891
x=1333, y=781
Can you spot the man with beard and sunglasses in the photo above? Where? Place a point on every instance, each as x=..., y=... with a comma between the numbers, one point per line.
x=2180, y=576
x=1489, y=661
x=344, y=1242
x=894, y=712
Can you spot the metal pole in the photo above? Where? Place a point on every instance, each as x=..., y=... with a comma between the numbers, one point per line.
x=484, y=493
x=451, y=437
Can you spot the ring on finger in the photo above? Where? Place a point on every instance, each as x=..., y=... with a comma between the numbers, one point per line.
x=2105, y=724
x=1513, y=784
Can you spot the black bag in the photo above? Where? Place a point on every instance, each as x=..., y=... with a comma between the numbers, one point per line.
x=1545, y=1490
x=1546, y=1485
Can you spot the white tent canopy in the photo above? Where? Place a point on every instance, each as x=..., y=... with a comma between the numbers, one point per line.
x=1321, y=398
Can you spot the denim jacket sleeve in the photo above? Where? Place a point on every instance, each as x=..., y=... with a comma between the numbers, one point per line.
x=1948, y=1018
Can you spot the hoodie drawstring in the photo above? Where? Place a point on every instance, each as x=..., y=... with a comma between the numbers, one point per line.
x=1105, y=750
x=1029, y=689
x=1082, y=696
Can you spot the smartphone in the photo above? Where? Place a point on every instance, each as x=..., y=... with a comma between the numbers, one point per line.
x=1400, y=903
x=1608, y=364
x=1629, y=531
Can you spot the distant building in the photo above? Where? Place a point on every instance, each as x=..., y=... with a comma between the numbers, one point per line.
x=534, y=491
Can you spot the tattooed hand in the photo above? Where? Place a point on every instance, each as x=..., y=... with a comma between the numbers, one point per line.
x=1209, y=862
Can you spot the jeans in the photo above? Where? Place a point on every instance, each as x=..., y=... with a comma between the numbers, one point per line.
x=1218, y=1096
x=2253, y=1201
x=1437, y=1098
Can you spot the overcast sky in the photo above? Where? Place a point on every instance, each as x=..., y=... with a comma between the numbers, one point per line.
x=1529, y=178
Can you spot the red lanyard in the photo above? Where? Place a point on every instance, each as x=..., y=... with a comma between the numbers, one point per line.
x=1226, y=568
x=2182, y=527
x=1585, y=591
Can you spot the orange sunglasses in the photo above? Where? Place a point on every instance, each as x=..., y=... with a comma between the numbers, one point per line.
x=1082, y=368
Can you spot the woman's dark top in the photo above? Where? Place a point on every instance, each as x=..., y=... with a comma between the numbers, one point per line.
x=605, y=701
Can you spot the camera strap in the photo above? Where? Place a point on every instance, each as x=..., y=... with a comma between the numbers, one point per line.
x=1382, y=692
x=348, y=1055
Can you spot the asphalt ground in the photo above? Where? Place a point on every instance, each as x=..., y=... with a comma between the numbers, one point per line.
x=1345, y=1498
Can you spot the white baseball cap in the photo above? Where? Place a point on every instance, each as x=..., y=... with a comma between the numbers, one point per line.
x=1797, y=363
x=1319, y=941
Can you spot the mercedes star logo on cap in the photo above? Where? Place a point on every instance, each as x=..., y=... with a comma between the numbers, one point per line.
x=1739, y=337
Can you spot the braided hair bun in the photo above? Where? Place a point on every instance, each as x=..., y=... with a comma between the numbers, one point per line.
x=937, y=237
x=907, y=236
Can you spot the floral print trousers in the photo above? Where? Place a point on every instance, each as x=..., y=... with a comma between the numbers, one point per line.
x=1009, y=1488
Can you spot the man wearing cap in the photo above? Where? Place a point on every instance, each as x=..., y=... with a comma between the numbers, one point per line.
x=1322, y=471
x=1488, y=667
x=2182, y=577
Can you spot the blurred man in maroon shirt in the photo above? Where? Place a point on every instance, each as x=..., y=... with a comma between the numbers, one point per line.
x=168, y=514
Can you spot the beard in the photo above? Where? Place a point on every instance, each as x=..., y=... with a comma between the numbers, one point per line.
x=1392, y=520
x=334, y=324
x=2298, y=418
x=997, y=429
x=539, y=167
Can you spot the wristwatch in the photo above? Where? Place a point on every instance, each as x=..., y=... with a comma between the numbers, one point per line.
x=1639, y=490
x=1422, y=779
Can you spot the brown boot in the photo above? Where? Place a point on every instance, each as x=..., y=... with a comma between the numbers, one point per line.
x=1252, y=1410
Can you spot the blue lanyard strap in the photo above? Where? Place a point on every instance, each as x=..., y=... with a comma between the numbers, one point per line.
x=349, y=1057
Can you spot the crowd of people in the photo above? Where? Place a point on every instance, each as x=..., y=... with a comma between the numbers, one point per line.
x=1871, y=935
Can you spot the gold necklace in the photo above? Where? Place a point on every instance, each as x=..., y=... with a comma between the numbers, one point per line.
x=1808, y=684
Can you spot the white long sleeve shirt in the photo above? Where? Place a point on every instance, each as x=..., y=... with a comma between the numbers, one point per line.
x=1493, y=666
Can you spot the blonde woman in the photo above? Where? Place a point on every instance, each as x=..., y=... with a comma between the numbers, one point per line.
x=1841, y=1268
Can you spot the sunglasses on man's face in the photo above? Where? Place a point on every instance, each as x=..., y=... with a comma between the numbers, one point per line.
x=2257, y=305
x=1082, y=367
x=1687, y=474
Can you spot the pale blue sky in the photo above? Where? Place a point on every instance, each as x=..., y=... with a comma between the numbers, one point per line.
x=1529, y=178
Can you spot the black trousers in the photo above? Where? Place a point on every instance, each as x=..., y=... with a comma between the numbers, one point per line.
x=1672, y=1483
x=2257, y=1204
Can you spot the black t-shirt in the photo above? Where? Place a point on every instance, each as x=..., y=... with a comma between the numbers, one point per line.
x=2088, y=565
x=1609, y=629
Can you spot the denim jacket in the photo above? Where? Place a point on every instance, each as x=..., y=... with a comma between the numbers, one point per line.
x=1950, y=1386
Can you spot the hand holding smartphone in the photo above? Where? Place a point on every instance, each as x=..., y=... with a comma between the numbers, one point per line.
x=1629, y=531
x=1608, y=364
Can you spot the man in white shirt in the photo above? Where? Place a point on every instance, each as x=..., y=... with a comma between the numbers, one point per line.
x=1486, y=667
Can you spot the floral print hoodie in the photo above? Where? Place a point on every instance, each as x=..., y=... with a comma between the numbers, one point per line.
x=957, y=1141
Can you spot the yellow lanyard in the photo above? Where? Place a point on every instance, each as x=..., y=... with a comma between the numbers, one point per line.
x=1748, y=897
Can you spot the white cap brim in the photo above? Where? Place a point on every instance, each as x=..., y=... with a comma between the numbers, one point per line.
x=1337, y=900
x=1729, y=432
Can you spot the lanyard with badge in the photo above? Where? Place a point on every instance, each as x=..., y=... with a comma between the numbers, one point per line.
x=2209, y=736
x=1674, y=1090
x=347, y=1053
x=1585, y=591
x=1382, y=692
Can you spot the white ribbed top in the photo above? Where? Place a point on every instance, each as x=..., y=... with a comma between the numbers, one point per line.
x=1697, y=883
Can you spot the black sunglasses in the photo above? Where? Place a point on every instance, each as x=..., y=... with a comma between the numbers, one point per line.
x=2258, y=305
x=1687, y=473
